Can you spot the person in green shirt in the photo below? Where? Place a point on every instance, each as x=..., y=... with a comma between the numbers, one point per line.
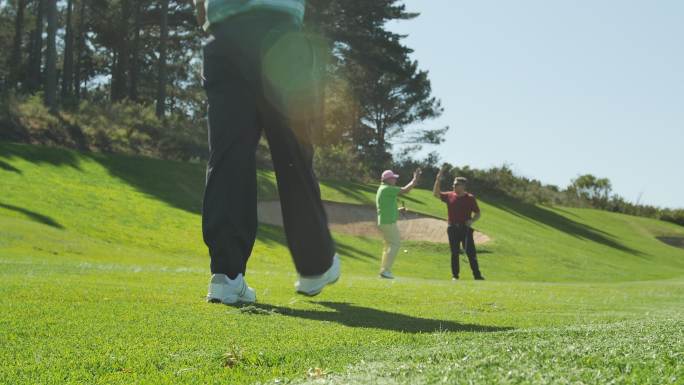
x=388, y=213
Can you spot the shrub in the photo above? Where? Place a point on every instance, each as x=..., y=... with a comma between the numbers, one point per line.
x=339, y=162
x=123, y=127
x=27, y=119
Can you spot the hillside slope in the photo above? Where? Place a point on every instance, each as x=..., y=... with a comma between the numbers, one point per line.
x=155, y=205
x=103, y=275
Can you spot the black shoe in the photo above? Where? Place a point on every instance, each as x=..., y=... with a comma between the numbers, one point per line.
x=480, y=278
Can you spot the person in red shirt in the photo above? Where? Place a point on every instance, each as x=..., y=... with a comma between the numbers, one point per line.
x=463, y=212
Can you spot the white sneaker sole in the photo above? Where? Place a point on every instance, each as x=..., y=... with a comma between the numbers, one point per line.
x=317, y=291
x=229, y=301
x=216, y=295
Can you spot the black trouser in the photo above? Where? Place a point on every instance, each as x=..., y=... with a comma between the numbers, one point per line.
x=259, y=73
x=462, y=234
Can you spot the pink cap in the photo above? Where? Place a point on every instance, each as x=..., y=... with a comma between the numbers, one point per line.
x=388, y=174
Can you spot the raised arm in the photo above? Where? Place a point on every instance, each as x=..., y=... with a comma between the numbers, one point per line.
x=412, y=183
x=435, y=189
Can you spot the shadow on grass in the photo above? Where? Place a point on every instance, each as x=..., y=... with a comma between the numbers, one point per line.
x=271, y=235
x=353, y=190
x=347, y=250
x=275, y=235
x=8, y=167
x=355, y=316
x=179, y=184
x=673, y=241
x=360, y=192
x=39, y=154
x=538, y=215
x=33, y=215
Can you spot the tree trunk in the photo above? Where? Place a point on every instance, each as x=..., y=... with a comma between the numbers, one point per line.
x=163, y=41
x=120, y=73
x=80, y=47
x=36, y=54
x=15, y=59
x=51, y=57
x=135, y=52
x=68, y=68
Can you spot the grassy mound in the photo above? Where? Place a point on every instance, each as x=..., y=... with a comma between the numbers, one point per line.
x=103, y=271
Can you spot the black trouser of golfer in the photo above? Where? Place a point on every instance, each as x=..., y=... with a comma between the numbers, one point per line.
x=462, y=234
x=259, y=73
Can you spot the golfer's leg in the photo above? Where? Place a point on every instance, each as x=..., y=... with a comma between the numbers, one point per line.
x=472, y=253
x=304, y=218
x=229, y=218
x=288, y=110
x=455, y=250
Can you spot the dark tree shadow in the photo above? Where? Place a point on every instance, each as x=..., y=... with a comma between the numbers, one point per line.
x=179, y=184
x=266, y=188
x=8, y=167
x=354, y=252
x=39, y=154
x=271, y=235
x=33, y=216
x=356, y=191
x=275, y=235
x=673, y=241
x=364, y=317
x=564, y=211
x=353, y=190
x=479, y=252
x=75, y=134
x=538, y=215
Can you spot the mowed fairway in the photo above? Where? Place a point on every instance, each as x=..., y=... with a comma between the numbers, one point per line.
x=103, y=275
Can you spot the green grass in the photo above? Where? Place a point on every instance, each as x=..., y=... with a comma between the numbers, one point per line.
x=103, y=273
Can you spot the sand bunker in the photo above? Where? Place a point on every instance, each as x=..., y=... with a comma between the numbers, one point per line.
x=361, y=221
x=673, y=241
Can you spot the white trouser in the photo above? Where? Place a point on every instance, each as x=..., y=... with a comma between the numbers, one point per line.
x=390, y=234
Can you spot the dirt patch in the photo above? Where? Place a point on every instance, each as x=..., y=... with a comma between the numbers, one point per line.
x=673, y=241
x=362, y=221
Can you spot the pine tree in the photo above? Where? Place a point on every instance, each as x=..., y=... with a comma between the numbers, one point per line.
x=68, y=65
x=15, y=58
x=163, y=43
x=51, y=57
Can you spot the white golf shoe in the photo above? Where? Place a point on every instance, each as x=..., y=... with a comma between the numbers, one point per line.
x=312, y=286
x=230, y=291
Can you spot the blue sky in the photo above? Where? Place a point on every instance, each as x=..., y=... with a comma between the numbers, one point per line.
x=560, y=88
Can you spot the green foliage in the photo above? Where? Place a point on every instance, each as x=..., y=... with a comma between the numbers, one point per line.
x=592, y=189
x=586, y=191
x=374, y=92
x=674, y=216
x=123, y=127
x=339, y=162
x=7, y=16
x=27, y=118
